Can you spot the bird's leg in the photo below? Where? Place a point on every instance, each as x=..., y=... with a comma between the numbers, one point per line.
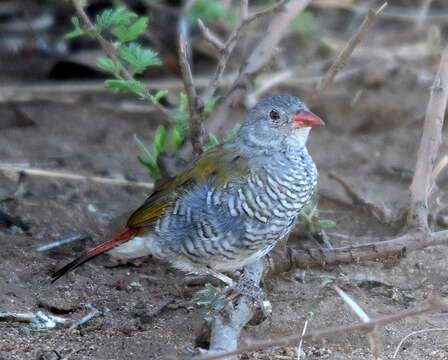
x=246, y=286
x=224, y=278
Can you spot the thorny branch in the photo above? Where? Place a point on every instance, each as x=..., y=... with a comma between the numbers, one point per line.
x=111, y=52
x=434, y=304
x=429, y=146
x=345, y=53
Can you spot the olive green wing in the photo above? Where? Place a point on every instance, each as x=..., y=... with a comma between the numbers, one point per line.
x=223, y=163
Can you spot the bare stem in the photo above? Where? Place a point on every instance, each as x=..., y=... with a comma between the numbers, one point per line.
x=111, y=52
x=227, y=48
x=345, y=53
x=194, y=104
x=429, y=146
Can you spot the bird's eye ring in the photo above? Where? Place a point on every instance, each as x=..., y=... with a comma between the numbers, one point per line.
x=274, y=115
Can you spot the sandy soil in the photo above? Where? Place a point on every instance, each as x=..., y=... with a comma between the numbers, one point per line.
x=371, y=143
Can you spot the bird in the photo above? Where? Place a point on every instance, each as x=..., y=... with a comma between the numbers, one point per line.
x=233, y=203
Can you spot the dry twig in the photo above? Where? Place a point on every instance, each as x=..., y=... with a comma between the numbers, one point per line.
x=429, y=146
x=227, y=48
x=71, y=176
x=194, y=104
x=405, y=13
x=259, y=58
x=434, y=304
x=280, y=261
x=227, y=326
x=345, y=53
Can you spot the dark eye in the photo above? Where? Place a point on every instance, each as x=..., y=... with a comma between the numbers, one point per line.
x=274, y=115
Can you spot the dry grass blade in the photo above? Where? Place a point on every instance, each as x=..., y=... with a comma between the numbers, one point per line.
x=412, y=334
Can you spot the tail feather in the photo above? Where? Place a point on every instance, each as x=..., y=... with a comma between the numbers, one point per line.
x=123, y=237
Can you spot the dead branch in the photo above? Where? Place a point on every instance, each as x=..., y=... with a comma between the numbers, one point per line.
x=227, y=326
x=212, y=38
x=434, y=304
x=429, y=146
x=345, y=53
x=111, y=52
x=227, y=48
x=71, y=176
x=280, y=260
x=194, y=104
x=259, y=58
x=407, y=14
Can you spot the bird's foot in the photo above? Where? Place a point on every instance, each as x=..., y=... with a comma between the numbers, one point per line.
x=244, y=286
x=248, y=287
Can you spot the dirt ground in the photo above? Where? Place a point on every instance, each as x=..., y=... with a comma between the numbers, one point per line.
x=372, y=143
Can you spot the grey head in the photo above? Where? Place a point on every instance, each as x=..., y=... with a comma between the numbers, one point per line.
x=278, y=122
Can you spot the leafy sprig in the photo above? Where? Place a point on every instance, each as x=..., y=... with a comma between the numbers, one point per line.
x=130, y=58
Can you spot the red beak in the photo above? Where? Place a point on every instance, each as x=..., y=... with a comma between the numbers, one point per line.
x=307, y=119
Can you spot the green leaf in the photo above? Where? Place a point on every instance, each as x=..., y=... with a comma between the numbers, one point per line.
x=326, y=223
x=132, y=32
x=111, y=17
x=160, y=95
x=159, y=140
x=212, y=141
x=183, y=102
x=77, y=31
x=231, y=133
x=208, y=108
x=147, y=159
x=125, y=85
x=178, y=133
x=108, y=65
x=180, y=117
x=151, y=167
x=137, y=58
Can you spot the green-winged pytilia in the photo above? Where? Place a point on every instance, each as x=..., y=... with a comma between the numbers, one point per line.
x=233, y=203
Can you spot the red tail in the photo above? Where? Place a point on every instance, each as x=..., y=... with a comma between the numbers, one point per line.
x=123, y=237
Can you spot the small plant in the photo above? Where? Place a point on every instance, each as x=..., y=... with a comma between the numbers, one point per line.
x=310, y=215
x=129, y=58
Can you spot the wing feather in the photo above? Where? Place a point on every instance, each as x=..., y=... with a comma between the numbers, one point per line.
x=224, y=163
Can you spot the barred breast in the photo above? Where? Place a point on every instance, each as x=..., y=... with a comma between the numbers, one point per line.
x=229, y=227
